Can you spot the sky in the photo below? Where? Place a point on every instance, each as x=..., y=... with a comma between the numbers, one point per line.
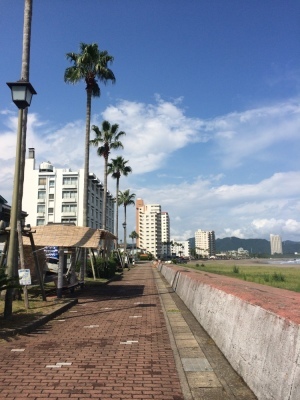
x=207, y=92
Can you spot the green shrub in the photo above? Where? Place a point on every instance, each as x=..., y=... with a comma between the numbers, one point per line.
x=6, y=282
x=278, y=277
x=103, y=269
x=235, y=269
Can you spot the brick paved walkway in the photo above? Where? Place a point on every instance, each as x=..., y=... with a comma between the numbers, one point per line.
x=113, y=345
x=131, y=339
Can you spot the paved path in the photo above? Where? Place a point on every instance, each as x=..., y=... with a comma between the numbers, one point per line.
x=131, y=339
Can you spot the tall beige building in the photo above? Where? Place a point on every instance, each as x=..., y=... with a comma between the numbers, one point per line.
x=152, y=226
x=276, y=244
x=205, y=243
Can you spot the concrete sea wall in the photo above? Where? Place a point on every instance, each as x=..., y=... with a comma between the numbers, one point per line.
x=255, y=326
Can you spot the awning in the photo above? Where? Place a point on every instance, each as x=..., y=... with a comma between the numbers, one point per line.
x=67, y=236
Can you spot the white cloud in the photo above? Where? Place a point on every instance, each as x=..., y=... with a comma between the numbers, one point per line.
x=155, y=132
x=232, y=210
x=239, y=136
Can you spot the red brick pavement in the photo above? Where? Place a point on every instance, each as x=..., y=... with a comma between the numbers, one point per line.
x=113, y=345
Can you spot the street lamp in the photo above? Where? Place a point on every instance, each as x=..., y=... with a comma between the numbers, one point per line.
x=22, y=93
x=125, y=243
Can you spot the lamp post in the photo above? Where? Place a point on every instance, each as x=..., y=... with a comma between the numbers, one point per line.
x=125, y=243
x=22, y=93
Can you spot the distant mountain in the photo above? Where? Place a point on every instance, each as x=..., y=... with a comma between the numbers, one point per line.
x=254, y=246
x=257, y=246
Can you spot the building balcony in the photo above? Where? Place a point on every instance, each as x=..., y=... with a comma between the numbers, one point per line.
x=69, y=200
x=41, y=201
x=69, y=214
x=40, y=214
x=69, y=185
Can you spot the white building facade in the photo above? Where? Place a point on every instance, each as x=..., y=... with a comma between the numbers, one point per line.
x=153, y=228
x=165, y=235
x=54, y=195
x=276, y=244
x=180, y=248
x=205, y=243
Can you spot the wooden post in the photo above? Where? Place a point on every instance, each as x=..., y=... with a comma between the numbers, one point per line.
x=36, y=263
x=60, y=275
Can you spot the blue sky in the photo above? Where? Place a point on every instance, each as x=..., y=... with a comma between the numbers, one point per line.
x=207, y=93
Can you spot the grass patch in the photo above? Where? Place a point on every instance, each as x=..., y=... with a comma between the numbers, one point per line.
x=236, y=269
x=38, y=307
x=284, y=278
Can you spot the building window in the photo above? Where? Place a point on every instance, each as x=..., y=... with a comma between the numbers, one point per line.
x=69, y=208
x=69, y=194
x=69, y=221
x=51, y=196
x=40, y=222
x=41, y=208
x=42, y=181
x=41, y=194
x=50, y=210
x=51, y=183
x=70, y=180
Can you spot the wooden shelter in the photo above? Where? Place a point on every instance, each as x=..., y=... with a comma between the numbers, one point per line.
x=62, y=235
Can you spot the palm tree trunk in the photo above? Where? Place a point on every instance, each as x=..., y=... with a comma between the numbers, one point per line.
x=104, y=195
x=86, y=156
x=117, y=212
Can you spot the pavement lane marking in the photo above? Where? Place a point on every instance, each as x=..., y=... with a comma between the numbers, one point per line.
x=18, y=350
x=129, y=342
x=91, y=326
x=58, y=365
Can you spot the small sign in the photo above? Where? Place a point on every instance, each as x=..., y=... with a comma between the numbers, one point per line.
x=25, y=277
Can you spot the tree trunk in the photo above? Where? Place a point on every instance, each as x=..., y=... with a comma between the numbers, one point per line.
x=104, y=195
x=86, y=157
x=117, y=213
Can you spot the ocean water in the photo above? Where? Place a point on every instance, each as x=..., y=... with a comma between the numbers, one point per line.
x=294, y=261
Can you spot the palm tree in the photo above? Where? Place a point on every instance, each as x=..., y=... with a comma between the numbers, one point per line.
x=116, y=168
x=108, y=139
x=89, y=65
x=134, y=235
x=127, y=199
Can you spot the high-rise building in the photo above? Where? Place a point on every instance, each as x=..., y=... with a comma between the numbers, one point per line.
x=276, y=244
x=205, y=243
x=165, y=235
x=55, y=195
x=152, y=226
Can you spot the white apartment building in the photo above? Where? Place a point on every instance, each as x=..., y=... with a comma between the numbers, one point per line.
x=55, y=195
x=276, y=244
x=205, y=243
x=152, y=226
x=165, y=234
x=180, y=248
